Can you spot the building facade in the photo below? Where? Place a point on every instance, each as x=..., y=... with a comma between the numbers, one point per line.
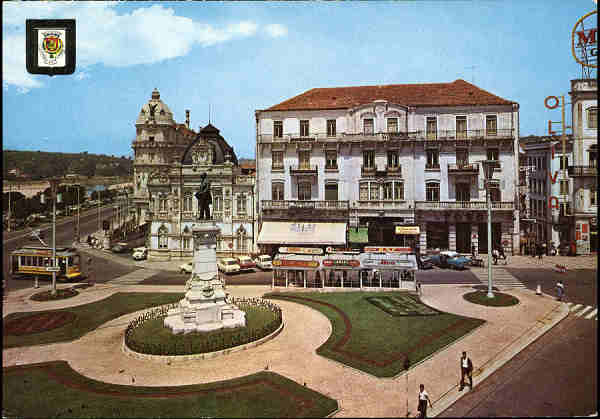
x=374, y=158
x=584, y=194
x=169, y=161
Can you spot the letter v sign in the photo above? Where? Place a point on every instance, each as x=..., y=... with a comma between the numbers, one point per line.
x=553, y=179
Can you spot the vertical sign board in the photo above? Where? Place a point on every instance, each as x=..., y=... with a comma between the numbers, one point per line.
x=50, y=46
x=582, y=238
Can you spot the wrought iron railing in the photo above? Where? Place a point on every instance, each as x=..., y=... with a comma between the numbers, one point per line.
x=303, y=168
x=462, y=205
x=463, y=167
x=383, y=204
x=582, y=170
x=325, y=205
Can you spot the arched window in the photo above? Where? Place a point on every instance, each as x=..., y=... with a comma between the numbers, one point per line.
x=187, y=202
x=163, y=240
x=432, y=191
x=242, y=240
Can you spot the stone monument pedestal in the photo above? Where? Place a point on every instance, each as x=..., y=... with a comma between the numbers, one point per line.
x=205, y=307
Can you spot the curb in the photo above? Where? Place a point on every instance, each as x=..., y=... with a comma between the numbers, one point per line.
x=547, y=322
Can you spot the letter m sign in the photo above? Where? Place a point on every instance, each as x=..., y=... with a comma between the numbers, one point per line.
x=586, y=37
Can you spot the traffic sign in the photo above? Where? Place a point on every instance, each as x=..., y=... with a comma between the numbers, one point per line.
x=53, y=269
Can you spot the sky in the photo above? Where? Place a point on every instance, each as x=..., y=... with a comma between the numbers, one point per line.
x=237, y=57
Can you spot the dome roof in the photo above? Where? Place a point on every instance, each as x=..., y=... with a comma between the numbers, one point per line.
x=155, y=110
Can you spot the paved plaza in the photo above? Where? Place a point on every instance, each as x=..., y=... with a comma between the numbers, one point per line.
x=99, y=354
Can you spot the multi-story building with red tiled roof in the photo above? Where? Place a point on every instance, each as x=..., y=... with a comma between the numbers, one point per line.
x=373, y=158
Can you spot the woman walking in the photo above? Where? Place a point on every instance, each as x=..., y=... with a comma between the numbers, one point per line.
x=423, y=399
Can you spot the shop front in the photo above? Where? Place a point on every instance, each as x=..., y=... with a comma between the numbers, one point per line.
x=274, y=234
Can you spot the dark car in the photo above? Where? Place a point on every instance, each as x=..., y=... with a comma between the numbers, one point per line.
x=121, y=247
x=426, y=263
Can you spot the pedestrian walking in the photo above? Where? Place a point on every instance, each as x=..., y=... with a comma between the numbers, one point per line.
x=418, y=287
x=466, y=369
x=423, y=400
x=560, y=289
x=540, y=252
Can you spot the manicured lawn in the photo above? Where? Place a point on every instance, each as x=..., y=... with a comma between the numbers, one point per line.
x=370, y=339
x=159, y=340
x=88, y=317
x=53, y=389
x=499, y=300
x=61, y=294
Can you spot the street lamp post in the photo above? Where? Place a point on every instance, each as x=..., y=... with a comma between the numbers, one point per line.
x=54, y=196
x=488, y=169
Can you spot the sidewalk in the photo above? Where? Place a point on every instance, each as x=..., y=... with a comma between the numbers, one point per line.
x=507, y=330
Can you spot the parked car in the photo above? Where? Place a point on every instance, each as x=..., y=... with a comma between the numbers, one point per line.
x=450, y=259
x=264, y=262
x=246, y=263
x=187, y=268
x=140, y=253
x=426, y=263
x=120, y=247
x=228, y=266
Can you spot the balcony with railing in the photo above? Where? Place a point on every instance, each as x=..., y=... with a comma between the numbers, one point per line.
x=367, y=170
x=453, y=135
x=394, y=170
x=463, y=169
x=463, y=205
x=303, y=169
x=581, y=171
x=317, y=205
x=382, y=204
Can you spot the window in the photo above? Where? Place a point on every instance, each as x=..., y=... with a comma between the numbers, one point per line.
x=187, y=241
x=369, y=159
x=544, y=163
x=392, y=125
x=241, y=204
x=462, y=157
x=331, y=127
x=388, y=191
x=463, y=192
x=495, y=193
x=432, y=191
x=490, y=125
x=565, y=208
x=277, y=191
x=331, y=159
x=564, y=163
x=492, y=154
x=374, y=192
x=544, y=209
x=162, y=237
x=151, y=138
x=592, y=117
x=304, y=159
x=433, y=159
x=187, y=202
x=162, y=204
x=304, y=128
x=217, y=199
x=564, y=186
x=363, y=191
x=461, y=127
x=431, y=127
x=593, y=158
x=593, y=196
x=368, y=127
x=331, y=192
x=392, y=159
x=278, y=129
x=399, y=191
x=304, y=191
x=277, y=159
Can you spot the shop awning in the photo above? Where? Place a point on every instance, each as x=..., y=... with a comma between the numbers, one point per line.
x=358, y=235
x=278, y=232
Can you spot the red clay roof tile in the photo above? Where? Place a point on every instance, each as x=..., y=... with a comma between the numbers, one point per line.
x=456, y=93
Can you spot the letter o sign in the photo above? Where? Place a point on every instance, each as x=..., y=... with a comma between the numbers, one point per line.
x=551, y=99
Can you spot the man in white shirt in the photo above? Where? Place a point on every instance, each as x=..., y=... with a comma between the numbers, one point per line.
x=466, y=368
x=423, y=399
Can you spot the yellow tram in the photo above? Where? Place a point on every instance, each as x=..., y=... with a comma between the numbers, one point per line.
x=35, y=260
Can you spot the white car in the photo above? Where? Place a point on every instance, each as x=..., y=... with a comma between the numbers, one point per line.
x=140, y=253
x=187, y=268
x=264, y=262
x=228, y=265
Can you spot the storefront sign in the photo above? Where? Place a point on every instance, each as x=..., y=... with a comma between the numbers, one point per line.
x=341, y=262
x=387, y=263
x=296, y=263
x=407, y=230
x=302, y=227
x=388, y=250
x=584, y=46
x=345, y=250
x=301, y=250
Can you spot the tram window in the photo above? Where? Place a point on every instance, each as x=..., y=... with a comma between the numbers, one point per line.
x=70, y=261
x=46, y=261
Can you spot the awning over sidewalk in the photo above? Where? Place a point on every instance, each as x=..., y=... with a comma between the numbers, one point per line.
x=278, y=232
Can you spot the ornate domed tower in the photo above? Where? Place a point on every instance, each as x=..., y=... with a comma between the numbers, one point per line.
x=159, y=143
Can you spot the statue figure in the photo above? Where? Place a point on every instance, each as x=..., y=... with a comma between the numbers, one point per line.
x=204, y=198
x=152, y=109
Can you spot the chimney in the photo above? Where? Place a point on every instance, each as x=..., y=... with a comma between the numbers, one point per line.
x=187, y=118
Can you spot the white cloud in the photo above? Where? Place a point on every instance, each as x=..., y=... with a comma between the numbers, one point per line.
x=276, y=30
x=104, y=36
x=80, y=75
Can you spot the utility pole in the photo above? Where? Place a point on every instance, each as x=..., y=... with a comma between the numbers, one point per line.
x=9, y=212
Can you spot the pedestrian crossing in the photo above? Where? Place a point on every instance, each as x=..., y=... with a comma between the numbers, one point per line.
x=587, y=312
x=134, y=277
x=501, y=278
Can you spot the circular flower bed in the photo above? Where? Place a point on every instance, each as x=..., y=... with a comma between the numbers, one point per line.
x=499, y=300
x=36, y=323
x=61, y=294
x=148, y=335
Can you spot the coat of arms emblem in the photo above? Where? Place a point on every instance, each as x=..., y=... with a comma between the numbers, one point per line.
x=52, y=47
